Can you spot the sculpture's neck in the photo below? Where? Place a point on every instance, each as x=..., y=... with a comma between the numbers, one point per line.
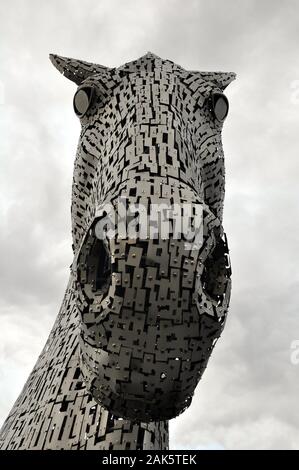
x=54, y=410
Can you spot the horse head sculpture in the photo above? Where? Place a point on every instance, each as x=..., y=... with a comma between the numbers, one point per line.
x=152, y=301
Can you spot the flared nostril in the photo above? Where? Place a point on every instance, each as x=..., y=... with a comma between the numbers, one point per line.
x=94, y=265
x=216, y=272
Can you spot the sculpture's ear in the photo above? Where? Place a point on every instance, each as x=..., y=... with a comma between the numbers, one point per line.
x=221, y=79
x=76, y=70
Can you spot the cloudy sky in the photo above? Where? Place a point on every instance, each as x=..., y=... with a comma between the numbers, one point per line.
x=248, y=397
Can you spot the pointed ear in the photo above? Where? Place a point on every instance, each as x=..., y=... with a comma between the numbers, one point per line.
x=221, y=79
x=76, y=70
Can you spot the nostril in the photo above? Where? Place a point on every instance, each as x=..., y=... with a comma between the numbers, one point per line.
x=103, y=265
x=94, y=266
x=216, y=272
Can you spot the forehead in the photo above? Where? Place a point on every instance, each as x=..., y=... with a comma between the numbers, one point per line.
x=149, y=63
x=151, y=78
x=80, y=71
x=153, y=71
x=154, y=78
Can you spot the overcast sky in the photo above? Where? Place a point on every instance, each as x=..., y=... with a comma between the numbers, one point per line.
x=248, y=397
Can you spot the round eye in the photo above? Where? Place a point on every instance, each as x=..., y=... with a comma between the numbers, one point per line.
x=220, y=106
x=82, y=100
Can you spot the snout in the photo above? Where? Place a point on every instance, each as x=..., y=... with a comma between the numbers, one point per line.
x=146, y=334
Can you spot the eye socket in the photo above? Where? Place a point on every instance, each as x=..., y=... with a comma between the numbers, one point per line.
x=82, y=100
x=219, y=106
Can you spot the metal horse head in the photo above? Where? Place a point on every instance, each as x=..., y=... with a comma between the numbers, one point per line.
x=152, y=301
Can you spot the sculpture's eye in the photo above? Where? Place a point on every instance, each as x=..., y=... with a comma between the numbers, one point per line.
x=219, y=106
x=82, y=100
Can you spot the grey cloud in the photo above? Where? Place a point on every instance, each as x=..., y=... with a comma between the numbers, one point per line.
x=248, y=395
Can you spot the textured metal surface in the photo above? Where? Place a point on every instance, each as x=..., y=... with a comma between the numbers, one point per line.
x=141, y=314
